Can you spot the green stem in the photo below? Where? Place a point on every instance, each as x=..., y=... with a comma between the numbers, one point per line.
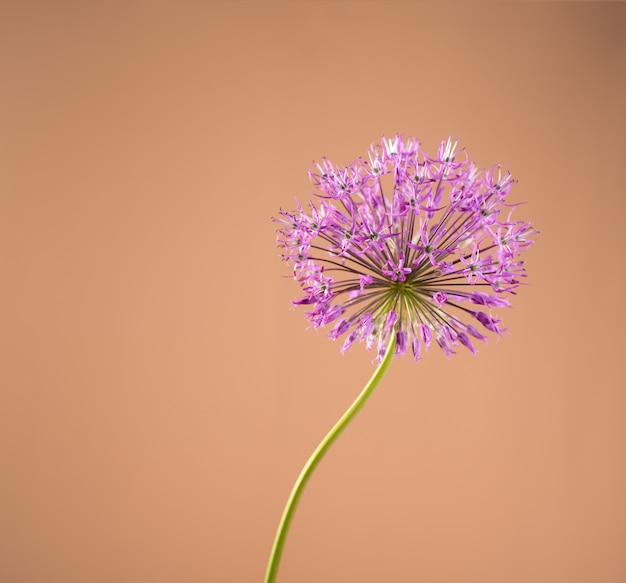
x=316, y=458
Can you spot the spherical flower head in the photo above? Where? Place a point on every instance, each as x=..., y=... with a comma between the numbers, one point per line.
x=405, y=244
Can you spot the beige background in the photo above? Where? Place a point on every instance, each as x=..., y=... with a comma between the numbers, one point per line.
x=159, y=396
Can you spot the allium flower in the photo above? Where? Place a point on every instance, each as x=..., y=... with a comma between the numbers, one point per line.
x=401, y=249
x=406, y=244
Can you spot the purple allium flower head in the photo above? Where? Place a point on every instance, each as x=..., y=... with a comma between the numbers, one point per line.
x=402, y=243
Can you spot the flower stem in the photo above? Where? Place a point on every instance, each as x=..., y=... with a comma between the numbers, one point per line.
x=316, y=457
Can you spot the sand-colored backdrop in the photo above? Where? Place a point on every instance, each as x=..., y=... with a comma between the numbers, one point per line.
x=158, y=396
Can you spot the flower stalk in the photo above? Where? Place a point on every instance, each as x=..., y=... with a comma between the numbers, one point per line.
x=316, y=458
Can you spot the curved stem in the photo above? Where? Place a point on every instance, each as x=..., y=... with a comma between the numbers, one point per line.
x=316, y=457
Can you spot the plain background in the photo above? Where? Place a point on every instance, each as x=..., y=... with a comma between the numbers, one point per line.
x=158, y=393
